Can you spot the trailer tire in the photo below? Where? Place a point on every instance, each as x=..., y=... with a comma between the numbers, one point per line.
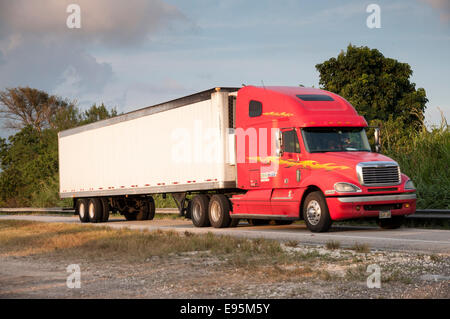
x=219, y=211
x=151, y=208
x=81, y=209
x=142, y=214
x=200, y=205
x=106, y=209
x=95, y=210
x=129, y=216
x=316, y=214
x=391, y=223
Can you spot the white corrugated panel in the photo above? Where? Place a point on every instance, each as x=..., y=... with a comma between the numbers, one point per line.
x=172, y=147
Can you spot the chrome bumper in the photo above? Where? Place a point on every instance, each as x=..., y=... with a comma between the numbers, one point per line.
x=376, y=198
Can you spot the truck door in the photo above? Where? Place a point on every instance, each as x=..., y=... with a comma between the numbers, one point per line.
x=290, y=157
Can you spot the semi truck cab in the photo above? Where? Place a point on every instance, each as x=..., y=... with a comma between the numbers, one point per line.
x=304, y=154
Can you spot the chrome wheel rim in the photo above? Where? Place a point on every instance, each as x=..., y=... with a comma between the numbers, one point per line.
x=313, y=212
x=196, y=211
x=91, y=210
x=215, y=211
x=82, y=210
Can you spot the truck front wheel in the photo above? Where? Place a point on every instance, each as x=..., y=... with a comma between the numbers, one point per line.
x=315, y=213
x=219, y=211
x=200, y=204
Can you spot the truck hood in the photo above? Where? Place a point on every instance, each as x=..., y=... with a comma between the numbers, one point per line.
x=348, y=158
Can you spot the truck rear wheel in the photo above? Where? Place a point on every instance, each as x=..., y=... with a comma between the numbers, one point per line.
x=391, y=223
x=315, y=213
x=82, y=210
x=200, y=205
x=106, y=209
x=219, y=211
x=95, y=210
x=151, y=208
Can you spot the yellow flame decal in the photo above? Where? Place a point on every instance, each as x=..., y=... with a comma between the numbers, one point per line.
x=303, y=164
x=281, y=114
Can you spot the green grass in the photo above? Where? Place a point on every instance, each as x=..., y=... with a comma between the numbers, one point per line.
x=423, y=155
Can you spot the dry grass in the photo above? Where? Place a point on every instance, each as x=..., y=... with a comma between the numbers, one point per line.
x=361, y=248
x=333, y=244
x=25, y=238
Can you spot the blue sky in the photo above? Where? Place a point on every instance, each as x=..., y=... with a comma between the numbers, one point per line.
x=137, y=53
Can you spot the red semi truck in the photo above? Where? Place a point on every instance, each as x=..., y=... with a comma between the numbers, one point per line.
x=283, y=154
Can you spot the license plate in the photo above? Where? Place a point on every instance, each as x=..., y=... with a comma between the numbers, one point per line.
x=385, y=214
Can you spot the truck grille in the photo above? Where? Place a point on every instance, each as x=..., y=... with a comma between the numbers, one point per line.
x=379, y=174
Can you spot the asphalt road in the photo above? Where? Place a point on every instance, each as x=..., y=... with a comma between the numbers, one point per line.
x=405, y=239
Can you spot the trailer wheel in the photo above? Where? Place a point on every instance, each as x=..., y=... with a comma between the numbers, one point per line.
x=315, y=213
x=200, y=205
x=219, y=211
x=95, y=210
x=82, y=210
x=151, y=208
x=129, y=216
x=391, y=223
x=106, y=209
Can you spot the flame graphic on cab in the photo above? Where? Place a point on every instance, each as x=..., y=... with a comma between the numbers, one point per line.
x=302, y=164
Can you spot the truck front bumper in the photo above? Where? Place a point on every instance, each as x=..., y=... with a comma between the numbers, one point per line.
x=346, y=207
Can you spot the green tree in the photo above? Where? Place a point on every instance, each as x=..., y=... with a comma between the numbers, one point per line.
x=375, y=85
x=24, y=106
x=29, y=159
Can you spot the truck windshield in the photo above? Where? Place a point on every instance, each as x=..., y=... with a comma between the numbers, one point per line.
x=335, y=139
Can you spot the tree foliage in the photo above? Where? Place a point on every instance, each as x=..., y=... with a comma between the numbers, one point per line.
x=24, y=106
x=375, y=85
x=29, y=158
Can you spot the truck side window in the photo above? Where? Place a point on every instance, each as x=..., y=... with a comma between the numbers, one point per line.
x=290, y=142
x=254, y=108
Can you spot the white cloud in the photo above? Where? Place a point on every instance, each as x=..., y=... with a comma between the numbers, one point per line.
x=112, y=22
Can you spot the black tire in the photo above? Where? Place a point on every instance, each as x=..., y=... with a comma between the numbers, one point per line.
x=200, y=205
x=188, y=214
x=81, y=210
x=142, y=214
x=283, y=222
x=151, y=208
x=391, y=223
x=219, y=211
x=130, y=216
x=95, y=210
x=318, y=219
x=258, y=222
x=106, y=209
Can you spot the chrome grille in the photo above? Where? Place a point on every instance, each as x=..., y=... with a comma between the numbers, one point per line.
x=379, y=173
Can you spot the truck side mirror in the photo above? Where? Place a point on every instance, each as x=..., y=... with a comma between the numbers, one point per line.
x=377, y=135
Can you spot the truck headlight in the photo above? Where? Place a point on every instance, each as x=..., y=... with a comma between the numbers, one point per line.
x=409, y=185
x=346, y=188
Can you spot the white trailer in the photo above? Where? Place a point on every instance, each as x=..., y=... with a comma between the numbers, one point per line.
x=174, y=148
